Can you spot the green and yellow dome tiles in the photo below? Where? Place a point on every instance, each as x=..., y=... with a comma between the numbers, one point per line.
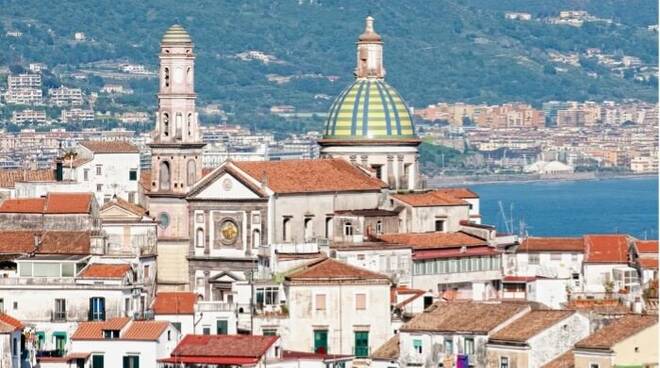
x=176, y=34
x=369, y=109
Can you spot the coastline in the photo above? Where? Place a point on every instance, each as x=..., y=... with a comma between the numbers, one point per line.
x=449, y=181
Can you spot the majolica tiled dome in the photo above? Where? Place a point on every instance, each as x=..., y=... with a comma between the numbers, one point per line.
x=369, y=109
x=176, y=34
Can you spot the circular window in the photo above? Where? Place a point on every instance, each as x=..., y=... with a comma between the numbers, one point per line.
x=228, y=232
x=164, y=219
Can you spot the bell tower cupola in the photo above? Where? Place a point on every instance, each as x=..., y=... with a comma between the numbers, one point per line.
x=369, y=53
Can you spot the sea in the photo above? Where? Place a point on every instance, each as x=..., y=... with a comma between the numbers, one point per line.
x=572, y=208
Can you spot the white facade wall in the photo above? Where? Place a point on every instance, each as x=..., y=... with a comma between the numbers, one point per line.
x=422, y=219
x=433, y=348
x=551, y=292
x=557, y=339
x=550, y=264
x=596, y=274
x=114, y=178
x=396, y=263
x=186, y=321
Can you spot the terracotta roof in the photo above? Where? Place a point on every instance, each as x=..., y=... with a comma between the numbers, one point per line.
x=434, y=240
x=174, y=303
x=53, y=203
x=530, y=325
x=547, y=244
x=430, y=199
x=606, y=248
x=126, y=205
x=388, y=351
x=617, y=331
x=462, y=193
x=599, y=306
x=328, y=269
x=9, y=324
x=648, y=263
x=309, y=176
x=94, y=330
x=566, y=360
x=466, y=317
x=304, y=355
x=370, y=212
x=52, y=242
x=110, y=147
x=145, y=330
x=647, y=246
x=8, y=178
x=105, y=271
x=235, y=346
x=521, y=279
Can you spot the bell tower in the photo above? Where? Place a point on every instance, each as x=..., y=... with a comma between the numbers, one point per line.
x=176, y=148
x=369, y=53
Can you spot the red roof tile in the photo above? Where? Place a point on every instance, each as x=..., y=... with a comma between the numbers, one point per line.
x=9, y=323
x=309, y=176
x=649, y=263
x=530, y=325
x=617, y=331
x=566, y=360
x=52, y=242
x=430, y=199
x=105, y=271
x=94, y=330
x=606, y=248
x=27, y=205
x=224, y=346
x=304, y=355
x=434, y=240
x=54, y=203
x=126, y=205
x=647, y=246
x=174, y=303
x=389, y=350
x=463, y=193
x=9, y=178
x=145, y=330
x=110, y=147
x=547, y=244
x=328, y=269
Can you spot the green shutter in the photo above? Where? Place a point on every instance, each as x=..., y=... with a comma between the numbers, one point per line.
x=97, y=361
x=361, y=344
x=321, y=341
x=222, y=327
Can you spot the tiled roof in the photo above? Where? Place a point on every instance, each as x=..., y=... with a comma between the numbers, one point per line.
x=174, y=303
x=310, y=176
x=470, y=317
x=328, y=269
x=9, y=323
x=430, y=199
x=617, y=331
x=304, y=355
x=369, y=212
x=8, y=178
x=52, y=242
x=612, y=248
x=53, y=203
x=126, y=205
x=110, y=146
x=94, y=330
x=245, y=346
x=550, y=244
x=388, y=351
x=566, y=360
x=530, y=325
x=145, y=330
x=462, y=193
x=434, y=240
x=649, y=263
x=647, y=246
x=105, y=271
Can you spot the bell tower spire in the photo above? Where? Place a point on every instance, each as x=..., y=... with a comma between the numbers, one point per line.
x=369, y=53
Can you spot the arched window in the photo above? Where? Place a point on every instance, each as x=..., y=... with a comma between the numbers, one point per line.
x=189, y=124
x=199, y=238
x=328, y=227
x=189, y=75
x=179, y=124
x=164, y=175
x=286, y=229
x=166, y=78
x=309, y=231
x=256, y=238
x=379, y=227
x=166, y=124
x=348, y=228
x=191, y=170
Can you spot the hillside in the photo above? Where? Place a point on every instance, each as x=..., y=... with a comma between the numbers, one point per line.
x=435, y=50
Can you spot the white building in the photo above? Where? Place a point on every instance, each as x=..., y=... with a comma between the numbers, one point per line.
x=24, y=96
x=24, y=81
x=11, y=331
x=606, y=265
x=28, y=115
x=191, y=316
x=76, y=115
x=63, y=96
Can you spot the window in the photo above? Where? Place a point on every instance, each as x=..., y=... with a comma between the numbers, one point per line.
x=504, y=362
x=169, y=335
x=555, y=257
x=256, y=238
x=106, y=198
x=191, y=170
x=60, y=310
x=97, y=361
x=439, y=225
x=110, y=334
x=379, y=227
x=361, y=344
x=267, y=296
x=131, y=361
x=97, y=309
x=534, y=259
x=417, y=346
x=99, y=187
x=222, y=327
x=348, y=228
x=449, y=346
x=199, y=238
x=166, y=78
x=164, y=220
x=131, y=197
x=177, y=325
x=319, y=302
x=67, y=269
x=99, y=170
x=269, y=332
x=469, y=345
x=164, y=175
x=132, y=175
x=206, y=330
x=15, y=305
x=286, y=229
x=360, y=301
x=86, y=175
x=328, y=227
x=2, y=305
x=145, y=274
x=189, y=121
x=321, y=341
x=308, y=228
x=166, y=124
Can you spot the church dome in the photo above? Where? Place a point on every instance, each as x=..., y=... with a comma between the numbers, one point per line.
x=176, y=34
x=369, y=109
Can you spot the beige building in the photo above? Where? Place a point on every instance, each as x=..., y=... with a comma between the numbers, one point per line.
x=631, y=341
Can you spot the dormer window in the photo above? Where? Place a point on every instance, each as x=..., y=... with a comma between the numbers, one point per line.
x=110, y=334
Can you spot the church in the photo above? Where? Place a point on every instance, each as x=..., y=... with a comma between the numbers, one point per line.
x=223, y=227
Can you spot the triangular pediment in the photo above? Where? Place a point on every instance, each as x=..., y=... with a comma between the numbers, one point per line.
x=115, y=211
x=223, y=184
x=224, y=276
